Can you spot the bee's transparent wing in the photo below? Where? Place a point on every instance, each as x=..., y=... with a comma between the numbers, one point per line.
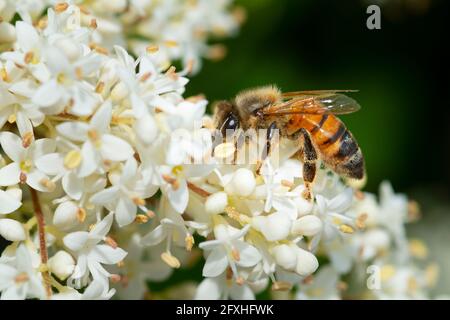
x=314, y=102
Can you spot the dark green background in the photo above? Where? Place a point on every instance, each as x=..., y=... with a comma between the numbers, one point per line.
x=400, y=71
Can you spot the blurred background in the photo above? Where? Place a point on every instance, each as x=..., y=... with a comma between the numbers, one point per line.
x=400, y=71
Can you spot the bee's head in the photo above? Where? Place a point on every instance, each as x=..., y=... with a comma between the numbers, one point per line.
x=249, y=102
x=226, y=117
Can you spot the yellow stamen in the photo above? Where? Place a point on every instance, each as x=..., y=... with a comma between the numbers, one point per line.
x=150, y=214
x=189, y=241
x=240, y=281
x=100, y=86
x=79, y=72
x=93, y=24
x=28, y=57
x=141, y=218
x=217, y=52
x=27, y=139
x=172, y=181
x=387, y=272
x=287, y=183
x=81, y=214
x=152, y=49
x=72, y=159
x=361, y=220
x=171, y=43
x=93, y=135
x=4, y=75
x=235, y=254
x=61, y=7
x=281, y=286
x=21, y=277
x=413, y=210
x=346, y=228
x=418, y=249
x=138, y=201
x=47, y=183
x=111, y=242
x=12, y=118
x=145, y=76
x=115, y=278
x=170, y=260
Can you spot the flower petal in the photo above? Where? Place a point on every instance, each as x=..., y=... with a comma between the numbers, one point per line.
x=12, y=146
x=115, y=149
x=8, y=203
x=106, y=254
x=10, y=174
x=216, y=263
x=76, y=240
x=125, y=211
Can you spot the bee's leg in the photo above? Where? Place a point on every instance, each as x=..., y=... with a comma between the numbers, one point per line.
x=267, y=148
x=309, y=159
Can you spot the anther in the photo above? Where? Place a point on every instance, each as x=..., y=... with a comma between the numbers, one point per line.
x=170, y=260
x=81, y=214
x=346, y=228
x=27, y=139
x=189, y=241
x=141, y=218
x=61, y=7
x=111, y=242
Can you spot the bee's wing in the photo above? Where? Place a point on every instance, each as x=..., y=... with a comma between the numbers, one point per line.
x=314, y=102
x=293, y=94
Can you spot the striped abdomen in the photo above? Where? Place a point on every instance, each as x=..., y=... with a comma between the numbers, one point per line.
x=336, y=144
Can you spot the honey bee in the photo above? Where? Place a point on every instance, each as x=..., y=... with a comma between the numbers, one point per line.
x=306, y=117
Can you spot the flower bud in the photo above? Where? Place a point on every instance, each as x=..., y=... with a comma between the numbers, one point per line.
x=7, y=32
x=119, y=92
x=306, y=262
x=274, y=227
x=242, y=183
x=216, y=203
x=146, y=129
x=66, y=214
x=285, y=256
x=306, y=226
x=61, y=264
x=12, y=230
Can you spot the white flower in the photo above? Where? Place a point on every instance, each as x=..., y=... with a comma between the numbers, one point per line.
x=98, y=143
x=10, y=199
x=24, y=166
x=293, y=258
x=12, y=230
x=242, y=183
x=126, y=194
x=274, y=227
x=91, y=254
x=222, y=288
x=216, y=203
x=324, y=286
x=20, y=280
x=94, y=291
x=228, y=249
x=142, y=264
x=61, y=264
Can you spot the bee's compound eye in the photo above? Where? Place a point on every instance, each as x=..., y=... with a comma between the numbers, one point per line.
x=230, y=124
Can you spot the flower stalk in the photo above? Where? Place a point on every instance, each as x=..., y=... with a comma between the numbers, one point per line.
x=42, y=242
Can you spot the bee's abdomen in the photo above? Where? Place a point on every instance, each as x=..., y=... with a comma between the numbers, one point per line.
x=338, y=147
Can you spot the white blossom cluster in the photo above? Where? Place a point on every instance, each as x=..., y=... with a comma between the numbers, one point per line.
x=99, y=195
